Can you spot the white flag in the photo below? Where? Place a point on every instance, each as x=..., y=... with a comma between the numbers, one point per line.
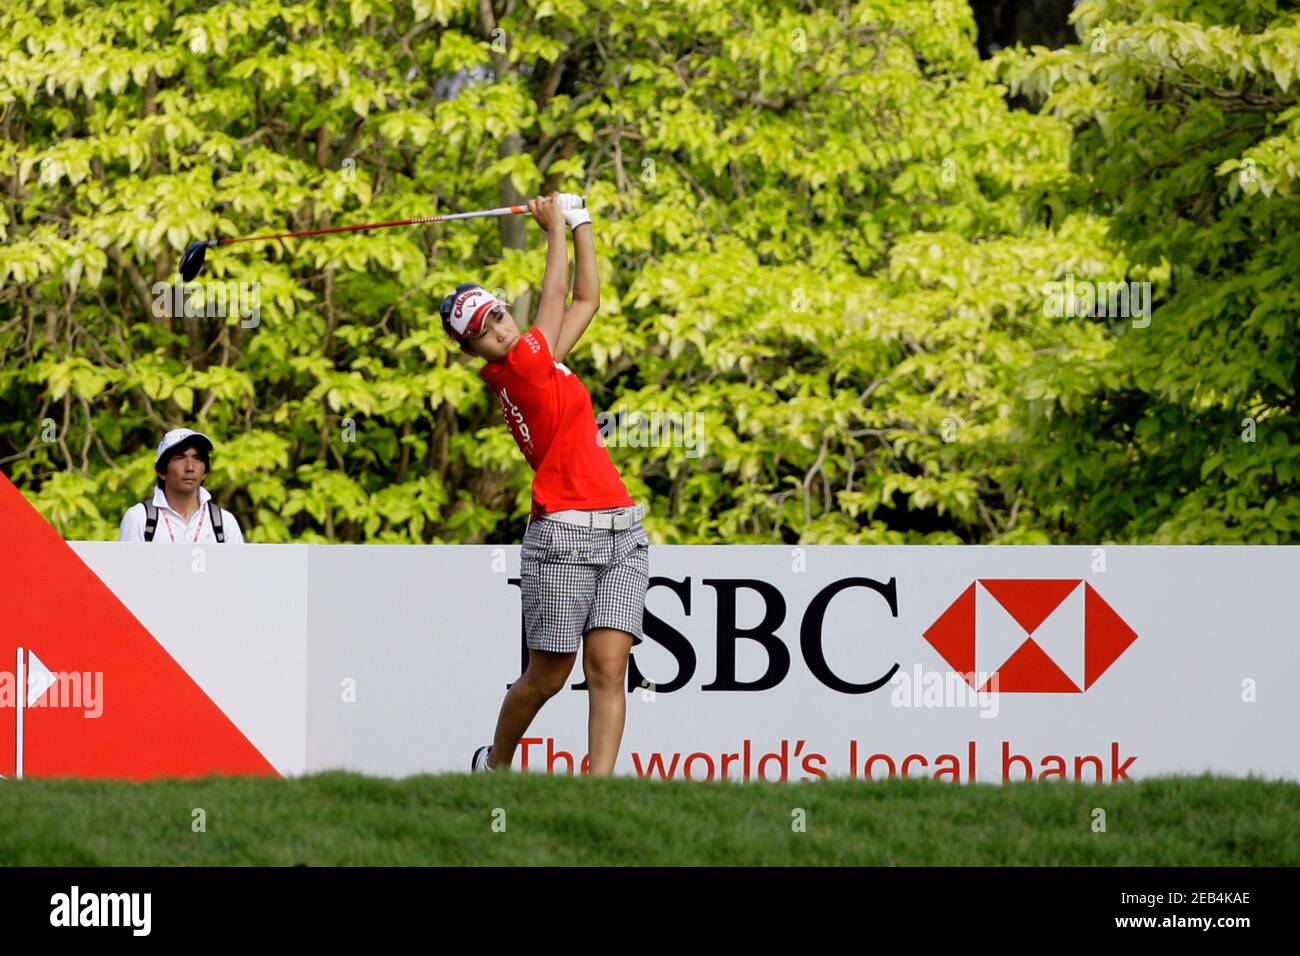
x=39, y=678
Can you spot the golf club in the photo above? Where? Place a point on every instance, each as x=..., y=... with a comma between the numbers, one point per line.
x=195, y=252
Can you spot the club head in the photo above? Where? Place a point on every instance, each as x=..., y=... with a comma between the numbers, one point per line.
x=192, y=259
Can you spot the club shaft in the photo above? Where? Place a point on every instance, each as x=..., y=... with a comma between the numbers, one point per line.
x=502, y=211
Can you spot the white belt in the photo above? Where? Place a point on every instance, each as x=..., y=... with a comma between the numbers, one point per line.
x=619, y=520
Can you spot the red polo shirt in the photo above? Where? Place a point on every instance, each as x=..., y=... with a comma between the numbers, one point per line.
x=549, y=412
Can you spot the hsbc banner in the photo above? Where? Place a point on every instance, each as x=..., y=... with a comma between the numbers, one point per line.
x=758, y=663
x=761, y=662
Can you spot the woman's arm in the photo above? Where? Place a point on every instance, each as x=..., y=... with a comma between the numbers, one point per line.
x=586, y=292
x=555, y=282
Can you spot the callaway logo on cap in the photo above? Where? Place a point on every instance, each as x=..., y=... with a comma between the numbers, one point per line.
x=465, y=311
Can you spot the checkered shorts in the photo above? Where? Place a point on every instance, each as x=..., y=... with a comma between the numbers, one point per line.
x=575, y=579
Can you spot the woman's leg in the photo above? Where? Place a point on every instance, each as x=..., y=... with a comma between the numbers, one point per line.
x=545, y=676
x=604, y=661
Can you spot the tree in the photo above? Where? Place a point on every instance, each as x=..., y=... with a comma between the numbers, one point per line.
x=821, y=229
x=1186, y=138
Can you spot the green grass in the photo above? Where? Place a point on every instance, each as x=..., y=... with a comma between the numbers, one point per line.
x=345, y=819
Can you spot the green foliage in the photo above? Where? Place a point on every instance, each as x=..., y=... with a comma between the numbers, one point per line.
x=1188, y=138
x=821, y=228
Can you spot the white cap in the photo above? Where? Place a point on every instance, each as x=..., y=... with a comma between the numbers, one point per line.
x=468, y=310
x=175, y=437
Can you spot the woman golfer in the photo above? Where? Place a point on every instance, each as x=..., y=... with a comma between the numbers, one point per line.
x=584, y=562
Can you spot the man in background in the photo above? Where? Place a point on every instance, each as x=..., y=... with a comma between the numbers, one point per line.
x=181, y=510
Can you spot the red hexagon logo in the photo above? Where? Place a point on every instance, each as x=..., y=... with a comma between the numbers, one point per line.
x=1031, y=636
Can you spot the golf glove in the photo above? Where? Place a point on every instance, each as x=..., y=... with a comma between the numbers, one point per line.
x=575, y=212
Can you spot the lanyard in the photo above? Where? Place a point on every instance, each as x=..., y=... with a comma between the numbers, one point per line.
x=196, y=533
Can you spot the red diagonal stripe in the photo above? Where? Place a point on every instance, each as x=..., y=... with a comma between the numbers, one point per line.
x=156, y=720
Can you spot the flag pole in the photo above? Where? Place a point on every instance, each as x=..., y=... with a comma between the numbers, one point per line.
x=21, y=673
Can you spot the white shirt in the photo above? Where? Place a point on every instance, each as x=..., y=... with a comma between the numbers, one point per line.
x=197, y=530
